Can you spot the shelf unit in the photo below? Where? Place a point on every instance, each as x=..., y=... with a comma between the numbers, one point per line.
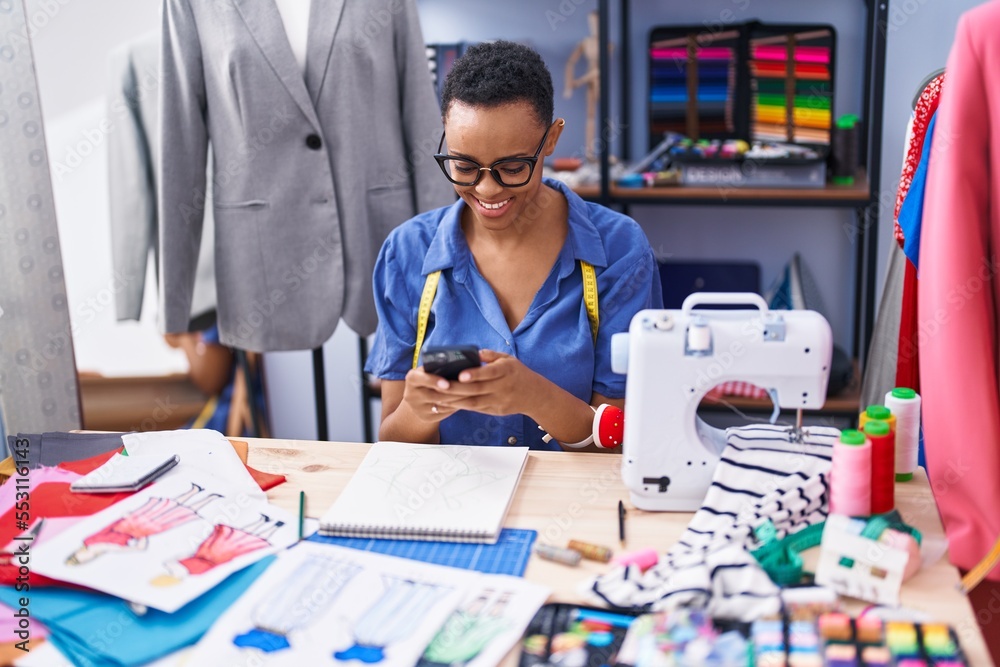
x=861, y=197
x=832, y=196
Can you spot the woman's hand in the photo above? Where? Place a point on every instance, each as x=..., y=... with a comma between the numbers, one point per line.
x=423, y=398
x=503, y=386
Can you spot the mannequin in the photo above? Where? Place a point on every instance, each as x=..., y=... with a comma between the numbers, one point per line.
x=133, y=180
x=313, y=166
x=589, y=48
x=295, y=19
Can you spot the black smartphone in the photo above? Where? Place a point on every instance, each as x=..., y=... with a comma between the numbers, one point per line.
x=449, y=361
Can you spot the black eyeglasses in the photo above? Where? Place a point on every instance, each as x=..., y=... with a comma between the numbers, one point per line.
x=511, y=172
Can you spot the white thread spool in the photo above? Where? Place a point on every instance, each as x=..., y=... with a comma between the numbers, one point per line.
x=850, y=475
x=905, y=404
x=699, y=338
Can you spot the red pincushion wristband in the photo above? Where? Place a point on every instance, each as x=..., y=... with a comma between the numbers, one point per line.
x=608, y=427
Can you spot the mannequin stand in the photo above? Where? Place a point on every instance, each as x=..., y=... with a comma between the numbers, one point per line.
x=319, y=383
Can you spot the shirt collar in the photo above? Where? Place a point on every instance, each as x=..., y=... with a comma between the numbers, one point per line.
x=448, y=248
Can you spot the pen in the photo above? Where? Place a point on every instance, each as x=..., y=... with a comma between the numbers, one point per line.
x=621, y=522
x=302, y=507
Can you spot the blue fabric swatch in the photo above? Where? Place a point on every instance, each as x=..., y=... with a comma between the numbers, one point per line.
x=99, y=630
x=911, y=213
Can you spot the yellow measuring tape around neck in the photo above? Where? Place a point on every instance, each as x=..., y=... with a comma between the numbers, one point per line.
x=424, y=312
x=431, y=285
x=590, y=297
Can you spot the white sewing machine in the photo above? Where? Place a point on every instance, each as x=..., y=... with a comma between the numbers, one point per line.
x=674, y=357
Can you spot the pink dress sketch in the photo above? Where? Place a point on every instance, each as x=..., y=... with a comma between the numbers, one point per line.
x=132, y=531
x=223, y=545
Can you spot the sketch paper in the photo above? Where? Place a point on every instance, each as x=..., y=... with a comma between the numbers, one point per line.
x=487, y=624
x=201, y=451
x=325, y=605
x=429, y=492
x=167, y=544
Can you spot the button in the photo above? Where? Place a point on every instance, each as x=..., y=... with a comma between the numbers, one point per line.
x=314, y=142
x=511, y=440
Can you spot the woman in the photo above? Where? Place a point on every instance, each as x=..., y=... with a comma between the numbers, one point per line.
x=514, y=254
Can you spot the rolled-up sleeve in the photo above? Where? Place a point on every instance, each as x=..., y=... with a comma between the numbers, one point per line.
x=391, y=355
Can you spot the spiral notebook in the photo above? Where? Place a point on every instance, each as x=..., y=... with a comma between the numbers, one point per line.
x=450, y=493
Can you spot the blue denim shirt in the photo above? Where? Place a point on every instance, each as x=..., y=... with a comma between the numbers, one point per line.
x=554, y=338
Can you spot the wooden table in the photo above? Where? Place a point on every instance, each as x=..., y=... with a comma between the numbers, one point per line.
x=575, y=496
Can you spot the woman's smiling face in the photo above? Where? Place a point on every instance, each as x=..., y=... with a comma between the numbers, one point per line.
x=486, y=135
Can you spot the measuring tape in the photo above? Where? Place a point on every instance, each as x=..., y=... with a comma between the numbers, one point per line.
x=780, y=558
x=431, y=285
x=424, y=312
x=590, y=297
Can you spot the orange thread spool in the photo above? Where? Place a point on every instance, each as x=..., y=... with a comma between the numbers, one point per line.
x=590, y=551
x=880, y=412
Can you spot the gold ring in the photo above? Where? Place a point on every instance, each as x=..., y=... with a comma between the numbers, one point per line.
x=434, y=409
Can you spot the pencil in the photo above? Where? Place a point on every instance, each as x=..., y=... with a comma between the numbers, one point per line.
x=621, y=522
x=302, y=515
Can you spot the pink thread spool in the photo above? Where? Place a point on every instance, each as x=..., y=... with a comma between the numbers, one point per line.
x=850, y=475
x=642, y=559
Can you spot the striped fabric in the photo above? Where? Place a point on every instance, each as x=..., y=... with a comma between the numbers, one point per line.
x=764, y=474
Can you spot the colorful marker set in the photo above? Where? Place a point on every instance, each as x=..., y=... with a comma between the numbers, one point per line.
x=681, y=637
x=791, y=76
x=835, y=639
x=868, y=642
x=563, y=634
x=568, y=635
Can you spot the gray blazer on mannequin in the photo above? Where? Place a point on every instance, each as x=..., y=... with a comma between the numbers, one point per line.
x=310, y=173
x=133, y=168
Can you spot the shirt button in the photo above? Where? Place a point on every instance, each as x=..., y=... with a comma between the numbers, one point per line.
x=314, y=142
x=511, y=440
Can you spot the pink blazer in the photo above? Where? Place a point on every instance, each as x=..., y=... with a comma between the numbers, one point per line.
x=959, y=292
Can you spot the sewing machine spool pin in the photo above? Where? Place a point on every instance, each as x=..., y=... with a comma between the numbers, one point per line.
x=674, y=357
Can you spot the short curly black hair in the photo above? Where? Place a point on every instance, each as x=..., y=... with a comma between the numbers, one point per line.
x=501, y=72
